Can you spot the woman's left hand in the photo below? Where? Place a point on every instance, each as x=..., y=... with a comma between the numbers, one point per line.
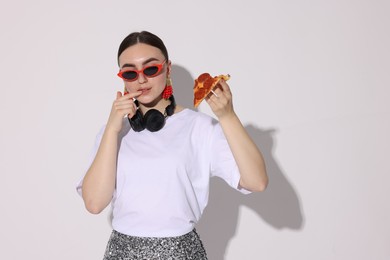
x=221, y=100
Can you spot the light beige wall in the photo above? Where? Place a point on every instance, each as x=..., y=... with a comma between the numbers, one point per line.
x=310, y=81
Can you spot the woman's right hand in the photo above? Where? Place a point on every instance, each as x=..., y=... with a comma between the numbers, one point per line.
x=123, y=105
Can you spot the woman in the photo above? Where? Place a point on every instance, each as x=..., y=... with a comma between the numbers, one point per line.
x=153, y=159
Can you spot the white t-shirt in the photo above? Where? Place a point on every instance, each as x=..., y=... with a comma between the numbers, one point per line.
x=163, y=177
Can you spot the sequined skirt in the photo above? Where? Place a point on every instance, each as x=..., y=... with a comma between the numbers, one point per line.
x=124, y=247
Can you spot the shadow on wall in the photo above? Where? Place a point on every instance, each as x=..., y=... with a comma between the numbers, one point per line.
x=279, y=205
x=183, y=83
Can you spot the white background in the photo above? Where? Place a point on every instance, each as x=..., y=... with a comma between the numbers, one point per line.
x=310, y=81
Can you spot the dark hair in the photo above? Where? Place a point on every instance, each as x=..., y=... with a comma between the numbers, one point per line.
x=142, y=37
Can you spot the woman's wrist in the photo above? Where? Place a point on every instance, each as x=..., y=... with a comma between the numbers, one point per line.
x=228, y=117
x=111, y=130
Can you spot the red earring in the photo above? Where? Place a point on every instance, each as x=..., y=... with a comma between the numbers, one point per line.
x=168, y=91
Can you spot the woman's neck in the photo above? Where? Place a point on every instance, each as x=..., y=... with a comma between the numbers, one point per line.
x=159, y=104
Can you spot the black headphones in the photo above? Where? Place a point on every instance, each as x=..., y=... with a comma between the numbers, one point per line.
x=153, y=120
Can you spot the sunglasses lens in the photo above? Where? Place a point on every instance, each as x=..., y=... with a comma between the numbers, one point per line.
x=150, y=71
x=129, y=75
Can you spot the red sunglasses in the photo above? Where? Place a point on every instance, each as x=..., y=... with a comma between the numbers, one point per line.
x=149, y=71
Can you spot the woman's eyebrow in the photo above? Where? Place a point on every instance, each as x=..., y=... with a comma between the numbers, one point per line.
x=143, y=63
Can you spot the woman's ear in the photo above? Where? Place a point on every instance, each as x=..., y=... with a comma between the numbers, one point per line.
x=169, y=68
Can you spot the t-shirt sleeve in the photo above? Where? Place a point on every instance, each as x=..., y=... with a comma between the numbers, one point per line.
x=94, y=150
x=223, y=164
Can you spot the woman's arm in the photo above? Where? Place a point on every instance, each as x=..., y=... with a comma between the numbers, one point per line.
x=99, y=182
x=253, y=175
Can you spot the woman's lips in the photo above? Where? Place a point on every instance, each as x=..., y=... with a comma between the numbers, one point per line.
x=144, y=91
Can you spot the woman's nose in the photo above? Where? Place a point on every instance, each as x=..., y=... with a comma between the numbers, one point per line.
x=142, y=78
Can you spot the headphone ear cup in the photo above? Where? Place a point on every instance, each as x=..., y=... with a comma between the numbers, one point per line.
x=154, y=120
x=137, y=121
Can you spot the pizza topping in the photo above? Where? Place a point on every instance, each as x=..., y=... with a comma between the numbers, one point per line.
x=204, y=84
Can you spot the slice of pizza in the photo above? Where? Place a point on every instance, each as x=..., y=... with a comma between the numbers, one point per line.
x=205, y=84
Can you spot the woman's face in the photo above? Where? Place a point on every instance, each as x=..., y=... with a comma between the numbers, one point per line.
x=138, y=57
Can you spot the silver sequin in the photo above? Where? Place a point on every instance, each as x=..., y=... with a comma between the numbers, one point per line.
x=185, y=247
